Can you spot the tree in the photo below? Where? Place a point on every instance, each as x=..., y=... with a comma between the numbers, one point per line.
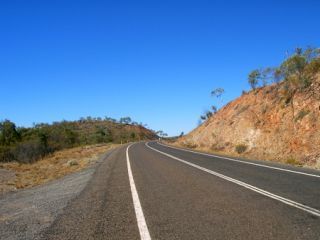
x=206, y=115
x=253, y=78
x=89, y=119
x=160, y=133
x=214, y=109
x=203, y=117
x=277, y=75
x=71, y=136
x=217, y=92
x=82, y=120
x=125, y=120
x=8, y=133
x=266, y=75
x=133, y=135
x=214, y=93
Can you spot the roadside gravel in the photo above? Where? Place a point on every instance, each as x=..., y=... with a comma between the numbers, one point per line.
x=25, y=213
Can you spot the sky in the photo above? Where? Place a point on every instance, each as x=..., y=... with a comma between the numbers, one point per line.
x=155, y=61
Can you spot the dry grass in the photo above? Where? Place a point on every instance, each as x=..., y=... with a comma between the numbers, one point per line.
x=55, y=166
x=293, y=161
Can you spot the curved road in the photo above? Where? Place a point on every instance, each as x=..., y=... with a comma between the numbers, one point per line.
x=153, y=191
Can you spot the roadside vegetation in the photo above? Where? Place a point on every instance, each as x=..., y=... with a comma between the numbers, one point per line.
x=217, y=94
x=53, y=166
x=277, y=119
x=27, y=145
x=297, y=72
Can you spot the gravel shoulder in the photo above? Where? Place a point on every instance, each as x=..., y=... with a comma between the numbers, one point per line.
x=25, y=213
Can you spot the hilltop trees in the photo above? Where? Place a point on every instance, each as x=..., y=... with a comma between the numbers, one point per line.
x=297, y=71
x=8, y=133
x=254, y=78
x=161, y=133
x=217, y=93
x=30, y=144
x=206, y=115
x=125, y=120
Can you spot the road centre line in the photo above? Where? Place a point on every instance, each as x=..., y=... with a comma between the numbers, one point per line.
x=244, y=162
x=289, y=202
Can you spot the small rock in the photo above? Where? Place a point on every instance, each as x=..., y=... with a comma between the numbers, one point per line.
x=72, y=163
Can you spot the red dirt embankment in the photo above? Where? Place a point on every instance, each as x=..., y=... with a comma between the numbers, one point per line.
x=266, y=126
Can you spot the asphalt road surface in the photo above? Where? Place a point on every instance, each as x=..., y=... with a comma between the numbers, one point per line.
x=153, y=191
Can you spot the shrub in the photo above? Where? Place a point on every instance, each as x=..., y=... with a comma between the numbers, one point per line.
x=253, y=78
x=301, y=115
x=72, y=163
x=133, y=135
x=241, y=148
x=298, y=71
x=190, y=145
x=6, y=154
x=293, y=161
x=29, y=152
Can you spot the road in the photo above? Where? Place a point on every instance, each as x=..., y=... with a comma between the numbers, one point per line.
x=153, y=191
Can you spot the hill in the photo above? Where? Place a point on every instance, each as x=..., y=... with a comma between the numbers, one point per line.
x=31, y=144
x=278, y=122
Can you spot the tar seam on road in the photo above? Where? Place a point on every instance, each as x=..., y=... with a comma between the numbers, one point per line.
x=142, y=225
x=240, y=161
x=289, y=202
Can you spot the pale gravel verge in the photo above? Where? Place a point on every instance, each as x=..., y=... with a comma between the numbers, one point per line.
x=25, y=213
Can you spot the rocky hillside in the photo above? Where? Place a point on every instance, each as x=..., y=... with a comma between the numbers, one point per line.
x=264, y=124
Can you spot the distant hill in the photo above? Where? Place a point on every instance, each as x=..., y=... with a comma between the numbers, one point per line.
x=279, y=122
x=30, y=144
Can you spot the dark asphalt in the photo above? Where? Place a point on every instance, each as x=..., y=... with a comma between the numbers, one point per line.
x=182, y=202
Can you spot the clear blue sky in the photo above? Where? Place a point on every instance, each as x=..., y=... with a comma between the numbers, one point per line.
x=155, y=61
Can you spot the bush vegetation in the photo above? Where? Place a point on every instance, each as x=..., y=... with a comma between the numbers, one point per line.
x=241, y=148
x=217, y=93
x=293, y=161
x=301, y=115
x=297, y=72
x=27, y=145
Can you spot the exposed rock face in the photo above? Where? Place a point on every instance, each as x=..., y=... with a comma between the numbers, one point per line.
x=270, y=126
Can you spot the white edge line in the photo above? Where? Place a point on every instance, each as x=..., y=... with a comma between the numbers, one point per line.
x=240, y=161
x=289, y=202
x=141, y=221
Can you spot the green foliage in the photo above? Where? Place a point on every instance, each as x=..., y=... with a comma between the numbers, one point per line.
x=8, y=133
x=190, y=145
x=133, y=135
x=217, y=92
x=241, y=148
x=253, y=78
x=27, y=145
x=298, y=71
x=301, y=115
x=125, y=120
x=206, y=115
x=214, y=109
x=161, y=133
x=293, y=161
